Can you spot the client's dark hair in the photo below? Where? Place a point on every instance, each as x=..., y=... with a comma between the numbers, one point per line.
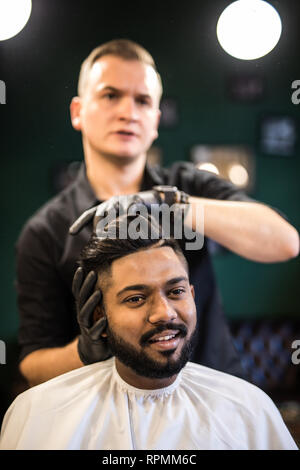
x=100, y=252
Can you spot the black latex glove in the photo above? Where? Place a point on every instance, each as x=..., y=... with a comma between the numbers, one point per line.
x=92, y=347
x=120, y=205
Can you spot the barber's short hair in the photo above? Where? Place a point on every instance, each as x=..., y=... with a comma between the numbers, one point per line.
x=124, y=48
x=99, y=254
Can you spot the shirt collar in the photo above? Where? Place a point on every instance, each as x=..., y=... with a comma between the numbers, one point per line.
x=87, y=199
x=86, y=196
x=152, y=176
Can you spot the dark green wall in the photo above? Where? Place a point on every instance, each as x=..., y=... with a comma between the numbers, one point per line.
x=40, y=67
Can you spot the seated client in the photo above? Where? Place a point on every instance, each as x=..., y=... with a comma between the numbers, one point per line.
x=147, y=395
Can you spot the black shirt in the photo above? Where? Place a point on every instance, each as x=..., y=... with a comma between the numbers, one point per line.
x=47, y=259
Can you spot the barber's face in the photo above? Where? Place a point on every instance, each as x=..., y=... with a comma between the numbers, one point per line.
x=118, y=113
x=151, y=312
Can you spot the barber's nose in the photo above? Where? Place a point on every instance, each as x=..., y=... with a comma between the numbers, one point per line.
x=127, y=109
x=161, y=311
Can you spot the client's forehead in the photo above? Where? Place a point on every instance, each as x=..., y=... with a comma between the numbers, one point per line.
x=150, y=267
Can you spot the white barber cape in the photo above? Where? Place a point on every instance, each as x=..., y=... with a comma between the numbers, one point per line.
x=93, y=408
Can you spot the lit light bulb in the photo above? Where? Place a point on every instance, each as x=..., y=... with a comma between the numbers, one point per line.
x=249, y=29
x=14, y=15
x=208, y=167
x=238, y=175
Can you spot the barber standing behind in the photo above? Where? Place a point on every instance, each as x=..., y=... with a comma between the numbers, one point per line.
x=117, y=112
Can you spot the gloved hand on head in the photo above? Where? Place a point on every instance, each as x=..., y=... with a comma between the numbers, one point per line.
x=92, y=346
x=119, y=205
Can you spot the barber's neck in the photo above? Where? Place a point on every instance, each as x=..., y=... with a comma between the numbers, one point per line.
x=112, y=176
x=138, y=381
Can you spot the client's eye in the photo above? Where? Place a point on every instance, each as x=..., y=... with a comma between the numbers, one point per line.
x=135, y=299
x=178, y=291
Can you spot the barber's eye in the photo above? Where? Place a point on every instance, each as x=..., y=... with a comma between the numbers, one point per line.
x=110, y=96
x=143, y=101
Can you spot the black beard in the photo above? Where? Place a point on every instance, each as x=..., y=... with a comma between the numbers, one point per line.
x=142, y=364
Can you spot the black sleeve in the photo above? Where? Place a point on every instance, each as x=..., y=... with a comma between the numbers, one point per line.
x=205, y=184
x=44, y=301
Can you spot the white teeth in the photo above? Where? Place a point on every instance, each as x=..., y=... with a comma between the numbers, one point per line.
x=165, y=338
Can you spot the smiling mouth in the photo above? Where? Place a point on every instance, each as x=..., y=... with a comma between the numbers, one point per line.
x=164, y=338
x=165, y=342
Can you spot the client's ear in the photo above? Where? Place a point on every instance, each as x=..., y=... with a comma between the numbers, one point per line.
x=99, y=312
x=192, y=290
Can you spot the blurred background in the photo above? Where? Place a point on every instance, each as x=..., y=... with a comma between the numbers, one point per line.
x=237, y=115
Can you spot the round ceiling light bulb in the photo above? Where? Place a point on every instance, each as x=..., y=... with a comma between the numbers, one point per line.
x=249, y=29
x=14, y=15
x=238, y=175
x=208, y=167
